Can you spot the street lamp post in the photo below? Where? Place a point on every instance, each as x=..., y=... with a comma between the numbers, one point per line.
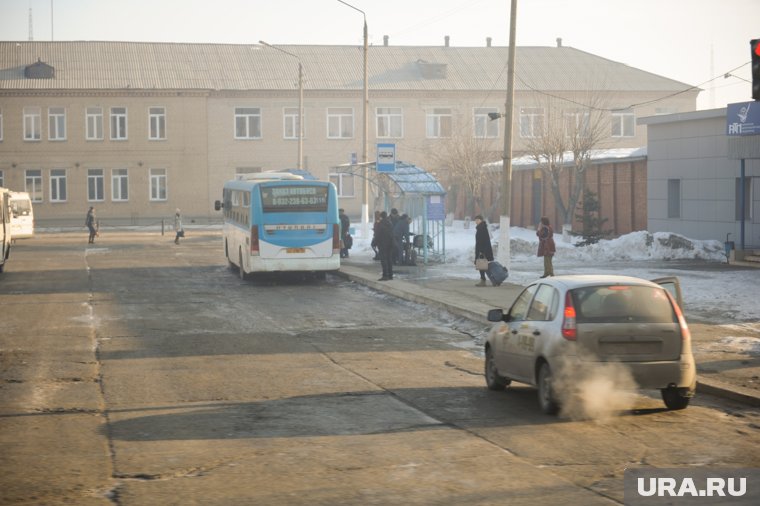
x=365, y=154
x=300, y=100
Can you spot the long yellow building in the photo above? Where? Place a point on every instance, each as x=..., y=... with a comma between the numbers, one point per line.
x=139, y=129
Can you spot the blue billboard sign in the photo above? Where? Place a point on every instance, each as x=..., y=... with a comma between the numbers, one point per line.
x=386, y=158
x=435, y=208
x=743, y=119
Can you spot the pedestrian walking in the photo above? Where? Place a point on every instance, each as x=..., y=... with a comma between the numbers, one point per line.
x=483, y=247
x=92, y=224
x=546, y=246
x=345, y=227
x=384, y=236
x=178, y=229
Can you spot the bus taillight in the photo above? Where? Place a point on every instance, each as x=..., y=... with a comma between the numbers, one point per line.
x=254, y=240
x=336, y=239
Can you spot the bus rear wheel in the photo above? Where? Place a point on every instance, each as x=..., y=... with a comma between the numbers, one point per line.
x=241, y=269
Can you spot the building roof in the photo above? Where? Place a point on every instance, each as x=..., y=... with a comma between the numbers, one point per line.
x=183, y=66
x=596, y=157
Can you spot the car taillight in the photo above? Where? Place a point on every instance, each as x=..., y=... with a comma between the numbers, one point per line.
x=569, y=329
x=685, y=333
x=336, y=239
x=254, y=240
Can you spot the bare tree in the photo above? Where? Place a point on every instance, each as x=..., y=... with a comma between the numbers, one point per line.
x=561, y=142
x=464, y=154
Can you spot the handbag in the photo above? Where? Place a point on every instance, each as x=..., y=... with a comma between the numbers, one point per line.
x=481, y=263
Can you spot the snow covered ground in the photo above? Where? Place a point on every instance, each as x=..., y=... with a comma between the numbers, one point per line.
x=712, y=290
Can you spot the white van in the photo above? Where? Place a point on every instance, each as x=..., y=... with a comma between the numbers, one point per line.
x=22, y=215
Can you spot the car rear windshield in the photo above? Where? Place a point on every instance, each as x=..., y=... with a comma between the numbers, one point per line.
x=622, y=303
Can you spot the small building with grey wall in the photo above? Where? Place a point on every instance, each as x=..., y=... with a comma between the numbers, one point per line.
x=694, y=181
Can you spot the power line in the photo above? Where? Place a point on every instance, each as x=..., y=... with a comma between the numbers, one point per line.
x=647, y=102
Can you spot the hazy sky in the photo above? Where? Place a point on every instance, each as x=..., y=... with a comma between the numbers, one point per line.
x=692, y=41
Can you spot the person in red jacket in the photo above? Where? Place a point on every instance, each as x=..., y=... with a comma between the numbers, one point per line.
x=546, y=247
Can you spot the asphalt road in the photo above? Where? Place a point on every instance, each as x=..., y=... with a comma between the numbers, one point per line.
x=137, y=372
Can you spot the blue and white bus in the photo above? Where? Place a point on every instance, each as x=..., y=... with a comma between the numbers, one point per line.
x=279, y=222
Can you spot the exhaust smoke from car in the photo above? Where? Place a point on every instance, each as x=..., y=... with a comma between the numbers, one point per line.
x=599, y=392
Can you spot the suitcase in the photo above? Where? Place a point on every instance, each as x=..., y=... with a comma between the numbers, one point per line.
x=496, y=272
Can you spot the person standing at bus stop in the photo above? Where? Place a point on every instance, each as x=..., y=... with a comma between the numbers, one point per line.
x=91, y=223
x=546, y=246
x=345, y=228
x=384, y=237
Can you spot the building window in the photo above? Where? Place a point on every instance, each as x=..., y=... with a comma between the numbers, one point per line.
x=32, y=123
x=1, y=126
x=577, y=124
x=290, y=122
x=33, y=184
x=623, y=124
x=531, y=122
x=2, y=178
x=747, y=199
x=118, y=123
x=390, y=122
x=94, y=124
x=344, y=183
x=157, y=123
x=56, y=124
x=438, y=123
x=485, y=127
x=95, y=185
x=119, y=185
x=674, y=198
x=340, y=123
x=157, y=184
x=247, y=123
x=58, y=185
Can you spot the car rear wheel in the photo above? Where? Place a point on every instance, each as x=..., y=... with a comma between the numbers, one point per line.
x=494, y=381
x=675, y=398
x=546, y=397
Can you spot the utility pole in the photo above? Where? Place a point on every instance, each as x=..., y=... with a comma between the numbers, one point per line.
x=506, y=177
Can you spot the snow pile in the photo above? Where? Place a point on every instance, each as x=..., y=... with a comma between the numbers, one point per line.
x=460, y=245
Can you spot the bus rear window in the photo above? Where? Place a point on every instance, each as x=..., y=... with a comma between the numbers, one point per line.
x=289, y=199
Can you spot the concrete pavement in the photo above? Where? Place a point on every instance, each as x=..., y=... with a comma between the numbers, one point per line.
x=730, y=377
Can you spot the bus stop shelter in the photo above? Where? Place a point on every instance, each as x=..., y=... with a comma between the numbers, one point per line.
x=412, y=191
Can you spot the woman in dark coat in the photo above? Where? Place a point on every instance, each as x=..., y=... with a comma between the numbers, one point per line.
x=384, y=236
x=482, y=245
x=546, y=246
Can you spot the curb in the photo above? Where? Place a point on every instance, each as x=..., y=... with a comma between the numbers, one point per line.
x=705, y=385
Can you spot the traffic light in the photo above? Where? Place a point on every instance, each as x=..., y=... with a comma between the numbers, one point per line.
x=754, y=44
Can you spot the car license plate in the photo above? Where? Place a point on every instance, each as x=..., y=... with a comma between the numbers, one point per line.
x=295, y=250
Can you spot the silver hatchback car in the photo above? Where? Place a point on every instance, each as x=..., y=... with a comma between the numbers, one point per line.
x=562, y=326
